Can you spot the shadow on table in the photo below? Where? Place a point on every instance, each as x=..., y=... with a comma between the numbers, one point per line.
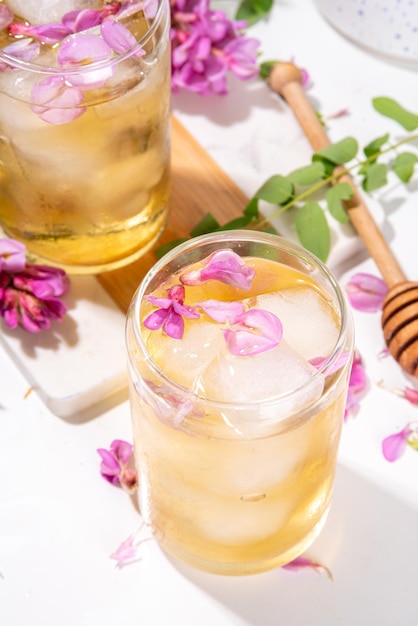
x=370, y=546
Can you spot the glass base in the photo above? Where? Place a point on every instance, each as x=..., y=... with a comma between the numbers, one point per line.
x=248, y=568
x=99, y=268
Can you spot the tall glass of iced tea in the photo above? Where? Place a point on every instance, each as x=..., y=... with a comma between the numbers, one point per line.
x=240, y=347
x=84, y=128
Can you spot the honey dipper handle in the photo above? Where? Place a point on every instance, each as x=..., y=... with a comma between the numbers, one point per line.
x=285, y=79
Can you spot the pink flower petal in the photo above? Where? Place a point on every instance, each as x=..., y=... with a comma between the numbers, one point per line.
x=80, y=49
x=411, y=395
x=12, y=255
x=302, y=563
x=221, y=311
x=394, y=446
x=122, y=450
x=174, y=325
x=366, y=292
x=55, y=102
x=6, y=16
x=129, y=550
x=119, y=38
x=156, y=319
x=224, y=266
x=76, y=21
x=253, y=332
x=23, y=49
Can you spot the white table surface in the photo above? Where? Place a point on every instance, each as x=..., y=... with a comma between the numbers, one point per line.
x=60, y=521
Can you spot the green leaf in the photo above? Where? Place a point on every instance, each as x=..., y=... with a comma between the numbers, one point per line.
x=376, y=177
x=404, y=165
x=313, y=230
x=208, y=224
x=392, y=109
x=265, y=69
x=334, y=197
x=373, y=148
x=252, y=209
x=262, y=6
x=338, y=153
x=238, y=222
x=166, y=247
x=308, y=175
x=253, y=10
x=277, y=190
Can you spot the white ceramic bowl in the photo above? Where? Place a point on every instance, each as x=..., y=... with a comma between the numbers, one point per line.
x=386, y=27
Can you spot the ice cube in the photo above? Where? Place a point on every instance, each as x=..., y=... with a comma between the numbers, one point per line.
x=226, y=524
x=309, y=325
x=47, y=11
x=184, y=360
x=255, y=379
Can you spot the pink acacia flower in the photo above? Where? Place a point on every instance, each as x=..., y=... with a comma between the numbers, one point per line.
x=248, y=332
x=169, y=315
x=253, y=332
x=205, y=46
x=29, y=294
x=72, y=22
x=366, y=292
x=224, y=266
x=394, y=446
x=117, y=465
x=58, y=98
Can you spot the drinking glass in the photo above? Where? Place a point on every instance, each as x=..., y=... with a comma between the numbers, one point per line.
x=85, y=133
x=240, y=347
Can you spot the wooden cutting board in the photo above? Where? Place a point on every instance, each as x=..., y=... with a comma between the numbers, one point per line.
x=199, y=186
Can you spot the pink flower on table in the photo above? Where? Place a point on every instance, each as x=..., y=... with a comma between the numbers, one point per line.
x=366, y=292
x=411, y=395
x=128, y=551
x=224, y=266
x=116, y=466
x=205, y=46
x=394, y=445
x=169, y=315
x=302, y=563
x=30, y=295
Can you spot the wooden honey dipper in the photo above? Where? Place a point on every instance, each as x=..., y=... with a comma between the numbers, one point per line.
x=400, y=307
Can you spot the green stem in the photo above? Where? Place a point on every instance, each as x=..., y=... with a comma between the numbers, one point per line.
x=335, y=177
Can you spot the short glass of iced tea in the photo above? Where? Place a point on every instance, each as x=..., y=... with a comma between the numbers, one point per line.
x=240, y=347
x=84, y=129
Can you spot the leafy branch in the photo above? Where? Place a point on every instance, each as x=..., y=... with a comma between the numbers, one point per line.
x=299, y=189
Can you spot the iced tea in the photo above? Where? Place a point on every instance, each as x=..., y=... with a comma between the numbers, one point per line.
x=237, y=417
x=87, y=191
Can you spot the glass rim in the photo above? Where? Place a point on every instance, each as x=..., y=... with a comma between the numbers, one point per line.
x=346, y=327
x=38, y=68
